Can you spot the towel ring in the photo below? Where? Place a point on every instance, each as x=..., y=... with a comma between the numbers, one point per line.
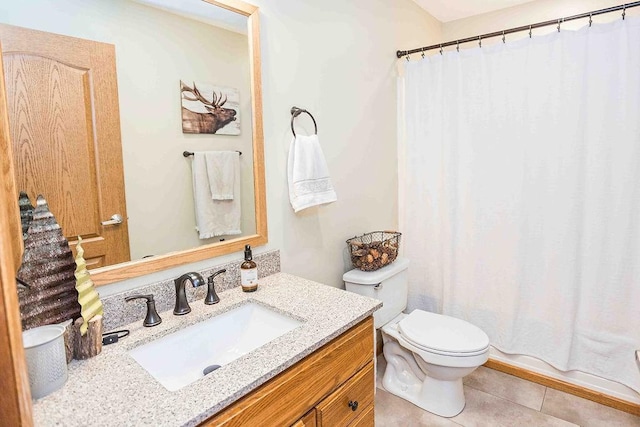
x=295, y=112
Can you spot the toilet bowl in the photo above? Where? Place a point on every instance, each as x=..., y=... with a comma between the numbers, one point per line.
x=427, y=369
x=427, y=354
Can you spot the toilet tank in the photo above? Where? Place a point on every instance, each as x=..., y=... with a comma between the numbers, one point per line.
x=389, y=284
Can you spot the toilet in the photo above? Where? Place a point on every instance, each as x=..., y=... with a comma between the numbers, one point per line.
x=427, y=354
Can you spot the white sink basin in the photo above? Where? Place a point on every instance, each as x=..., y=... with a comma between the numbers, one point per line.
x=181, y=357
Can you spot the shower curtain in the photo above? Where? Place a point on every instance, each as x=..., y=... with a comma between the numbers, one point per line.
x=520, y=194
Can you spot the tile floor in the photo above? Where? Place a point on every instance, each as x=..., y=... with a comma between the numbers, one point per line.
x=496, y=399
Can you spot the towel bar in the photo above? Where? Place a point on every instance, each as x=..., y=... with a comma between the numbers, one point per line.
x=188, y=153
x=295, y=112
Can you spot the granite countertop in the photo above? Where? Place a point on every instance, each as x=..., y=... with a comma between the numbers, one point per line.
x=112, y=389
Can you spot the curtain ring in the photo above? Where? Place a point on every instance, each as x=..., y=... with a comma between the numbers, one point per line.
x=480, y=41
x=529, y=31
x=624, y=11
x=422, y=53
x=558, y=25
x=407, y=57
x=458, y=45
x=440, y=48
x=503, y=40
x=590, y=19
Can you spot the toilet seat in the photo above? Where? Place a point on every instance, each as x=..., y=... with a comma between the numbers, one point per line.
x=443, y=335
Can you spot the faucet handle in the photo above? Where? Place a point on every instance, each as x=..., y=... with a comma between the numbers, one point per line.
x=212, y=297
x=152, y=318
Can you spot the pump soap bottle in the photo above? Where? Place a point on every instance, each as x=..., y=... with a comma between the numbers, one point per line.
x=248, y=272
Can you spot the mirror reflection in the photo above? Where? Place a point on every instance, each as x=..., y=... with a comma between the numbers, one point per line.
x=175, y=63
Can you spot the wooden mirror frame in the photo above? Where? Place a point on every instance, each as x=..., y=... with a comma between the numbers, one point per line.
x=131, y=269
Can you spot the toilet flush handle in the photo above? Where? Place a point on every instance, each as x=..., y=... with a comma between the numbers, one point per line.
x=378, y=286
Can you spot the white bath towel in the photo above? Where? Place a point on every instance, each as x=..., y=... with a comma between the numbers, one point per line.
x=308, y=175
x=221, y=169
x=214, y=217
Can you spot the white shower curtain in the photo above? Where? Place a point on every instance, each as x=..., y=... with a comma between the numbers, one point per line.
x=520, y=185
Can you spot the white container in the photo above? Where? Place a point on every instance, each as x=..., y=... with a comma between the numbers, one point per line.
x=46, y=359
x=389, y=284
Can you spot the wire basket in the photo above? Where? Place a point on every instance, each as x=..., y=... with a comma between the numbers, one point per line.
x=374, y=250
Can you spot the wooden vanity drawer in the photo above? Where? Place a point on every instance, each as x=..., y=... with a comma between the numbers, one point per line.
x=284, y=399
x=309, y=420
x=349, y=401
x=366, y=419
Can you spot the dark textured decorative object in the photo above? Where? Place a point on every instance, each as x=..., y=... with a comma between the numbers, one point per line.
x=48, y=269
x=26, y=212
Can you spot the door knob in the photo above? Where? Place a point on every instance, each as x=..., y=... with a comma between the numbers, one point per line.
x=115, y=219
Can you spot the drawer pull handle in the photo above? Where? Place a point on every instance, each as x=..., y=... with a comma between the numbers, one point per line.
x=353, y=404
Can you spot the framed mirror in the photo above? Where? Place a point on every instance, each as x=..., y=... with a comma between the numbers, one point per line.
x=169, y=56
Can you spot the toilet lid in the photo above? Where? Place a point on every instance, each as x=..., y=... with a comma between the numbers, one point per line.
x=442, y=333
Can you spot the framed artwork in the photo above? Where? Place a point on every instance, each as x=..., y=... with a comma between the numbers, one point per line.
x=210, y=109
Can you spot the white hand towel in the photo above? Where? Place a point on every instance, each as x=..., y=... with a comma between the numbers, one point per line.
x=308, y=175
x=221, y=169
x=214, y=217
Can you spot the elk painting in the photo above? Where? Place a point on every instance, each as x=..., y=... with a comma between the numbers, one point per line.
x=210, y=109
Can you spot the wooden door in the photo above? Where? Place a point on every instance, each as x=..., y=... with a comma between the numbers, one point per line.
x=65, y=129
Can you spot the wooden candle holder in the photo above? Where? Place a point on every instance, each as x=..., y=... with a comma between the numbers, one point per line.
x=89, y=344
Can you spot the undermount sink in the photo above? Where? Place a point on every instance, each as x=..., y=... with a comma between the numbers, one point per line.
x=182, y=357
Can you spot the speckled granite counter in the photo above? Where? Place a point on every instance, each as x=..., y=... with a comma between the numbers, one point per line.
x=113, y=390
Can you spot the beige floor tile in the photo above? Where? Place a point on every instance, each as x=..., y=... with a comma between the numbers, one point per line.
x=485, y=410
x=585, y=412
x=392, y=411
x=507, y=386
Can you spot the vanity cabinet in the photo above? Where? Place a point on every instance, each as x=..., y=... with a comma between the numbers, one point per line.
x=334, y=386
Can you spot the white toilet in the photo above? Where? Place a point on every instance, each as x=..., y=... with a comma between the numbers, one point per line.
x=427, y=354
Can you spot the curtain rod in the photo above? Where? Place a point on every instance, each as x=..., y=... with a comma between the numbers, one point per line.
x=559, y=21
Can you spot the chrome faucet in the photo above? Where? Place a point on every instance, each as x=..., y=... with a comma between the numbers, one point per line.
x=182, y=306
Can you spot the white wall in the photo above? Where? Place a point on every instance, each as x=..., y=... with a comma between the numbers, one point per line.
x=337, y=59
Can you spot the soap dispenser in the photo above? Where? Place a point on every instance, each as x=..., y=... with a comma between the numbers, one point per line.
x=248, y=272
